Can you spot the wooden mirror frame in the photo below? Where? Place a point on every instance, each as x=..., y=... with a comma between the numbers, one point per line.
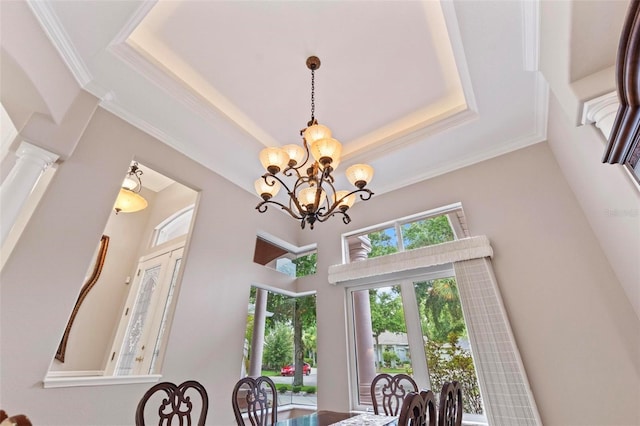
x=91, y=281
x=624, y=141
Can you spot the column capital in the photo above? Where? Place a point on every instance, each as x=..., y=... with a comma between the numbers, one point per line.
x=359, y=248
x=34, y=152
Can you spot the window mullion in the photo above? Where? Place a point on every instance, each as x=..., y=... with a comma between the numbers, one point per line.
x=414, y=335
x=399, y=235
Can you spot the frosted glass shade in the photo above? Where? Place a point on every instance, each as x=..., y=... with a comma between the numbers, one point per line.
x=348, y=201
x=264, y=189
x=326, y=150
x=360, y=174
x=308, y=196
x=129, y=202
x=316, y=132
x=274, y=159
x=296, y=153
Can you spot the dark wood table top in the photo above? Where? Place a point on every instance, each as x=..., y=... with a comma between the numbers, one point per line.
x=321, y=418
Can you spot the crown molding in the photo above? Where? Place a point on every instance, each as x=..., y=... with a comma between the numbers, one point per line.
x=54, y=30
x=531, y=34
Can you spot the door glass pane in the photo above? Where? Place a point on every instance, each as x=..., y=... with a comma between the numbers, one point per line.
x=380, y=337
x=136, y=323
x=156, y=349
x=446, y=340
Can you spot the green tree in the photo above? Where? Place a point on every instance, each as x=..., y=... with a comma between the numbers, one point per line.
x=440, y=310
x=304, y=315
x=382, y=243
x=427, y=232
x=278, y=346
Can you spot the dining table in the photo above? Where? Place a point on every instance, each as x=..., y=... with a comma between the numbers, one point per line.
x=328, y=418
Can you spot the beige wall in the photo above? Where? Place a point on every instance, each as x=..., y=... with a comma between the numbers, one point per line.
x=576, y=330
x=607, y=194
x=40, y=280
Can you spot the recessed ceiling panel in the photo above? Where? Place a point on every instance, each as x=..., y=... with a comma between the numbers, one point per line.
x=387, y=67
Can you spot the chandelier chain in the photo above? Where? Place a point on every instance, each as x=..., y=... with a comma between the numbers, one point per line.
x=313, y=90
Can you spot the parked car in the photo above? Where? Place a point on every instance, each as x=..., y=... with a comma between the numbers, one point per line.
x=288, y=370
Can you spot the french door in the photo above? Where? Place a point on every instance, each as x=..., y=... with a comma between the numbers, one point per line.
x=140, y=337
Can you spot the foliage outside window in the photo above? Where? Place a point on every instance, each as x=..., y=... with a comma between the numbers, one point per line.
x=444, y=335
x=410, y=235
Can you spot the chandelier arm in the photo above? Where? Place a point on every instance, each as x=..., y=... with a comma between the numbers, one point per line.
x=366, y=196
x=269, y=175
x=263, y=205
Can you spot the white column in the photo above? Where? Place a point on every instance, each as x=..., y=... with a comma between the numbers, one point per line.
x=359, y=249
x=257, y=340
x=601, y=111
x=20, y=181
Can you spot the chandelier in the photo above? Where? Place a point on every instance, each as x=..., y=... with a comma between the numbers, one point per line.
x=312, y=195
x=129, y=200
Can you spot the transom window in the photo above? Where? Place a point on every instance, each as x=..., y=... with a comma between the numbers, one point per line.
x=412, y=232
x=173, y=227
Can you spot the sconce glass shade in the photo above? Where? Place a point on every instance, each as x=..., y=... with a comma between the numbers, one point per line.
x=359, y=174
x=326, y=150
x=308, y=196
x=348, y=201
x=274, y=159
x=316, y=132
x=129, y=202
x=264, y=189
x=296, y=153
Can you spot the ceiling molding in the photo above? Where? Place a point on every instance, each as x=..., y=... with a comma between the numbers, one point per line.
x=162, y=78
x=451, y=166
x=455, y=39
x=541, y=105
x=531, y=34
x=116, y=109
x=133, y=22
x=393, y=142
x=49, y=21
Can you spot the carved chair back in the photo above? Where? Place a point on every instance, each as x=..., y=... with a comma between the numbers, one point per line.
x=388, y=392
x=175, y=404
x=258, y=399
x=450, y=409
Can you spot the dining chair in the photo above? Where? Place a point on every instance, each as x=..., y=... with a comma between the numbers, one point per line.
x=412, y=411
x=450, y=409
x=15, y=420
x=388, y=392
x=175, y=404
x=258, y=399
x=431, y=410
x=418, y=409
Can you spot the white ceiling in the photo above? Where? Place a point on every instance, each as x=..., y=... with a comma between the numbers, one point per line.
x=414, y=88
